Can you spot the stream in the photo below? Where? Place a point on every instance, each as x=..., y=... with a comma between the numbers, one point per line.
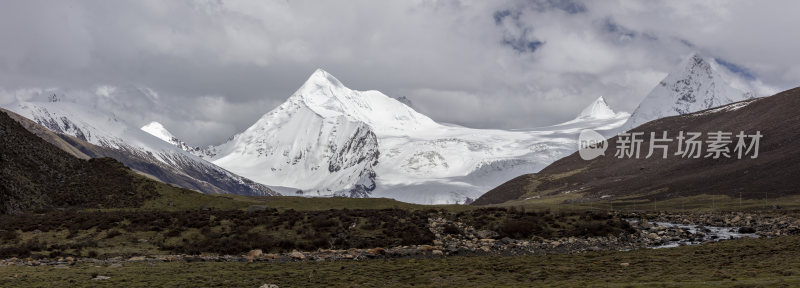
x=699, y=234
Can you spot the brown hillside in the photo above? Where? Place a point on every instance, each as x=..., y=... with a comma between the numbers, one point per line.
x=775, y=172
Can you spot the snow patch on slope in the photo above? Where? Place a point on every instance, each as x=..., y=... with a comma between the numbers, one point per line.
x=158, y=130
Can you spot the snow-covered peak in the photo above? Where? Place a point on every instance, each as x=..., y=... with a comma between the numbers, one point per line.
x=158, y=130
x=319, y=80
x=599, y=109
x=693, y=86
x=326, y=96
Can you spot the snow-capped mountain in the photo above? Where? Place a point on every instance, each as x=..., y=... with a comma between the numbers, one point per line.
x=113, y=137
x=327, y=139
x=695, y=85
x=598, y=110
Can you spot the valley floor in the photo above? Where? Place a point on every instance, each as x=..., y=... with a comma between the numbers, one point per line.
x=773, y=262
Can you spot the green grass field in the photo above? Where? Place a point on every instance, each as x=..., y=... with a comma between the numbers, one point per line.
x=643, y=203
x=735, y=263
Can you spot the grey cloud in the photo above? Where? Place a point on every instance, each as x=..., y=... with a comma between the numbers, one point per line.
x=217, y=66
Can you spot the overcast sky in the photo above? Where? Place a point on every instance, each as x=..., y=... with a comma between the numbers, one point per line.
x=209, y=69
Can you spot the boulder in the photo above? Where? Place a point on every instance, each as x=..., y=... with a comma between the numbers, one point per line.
x=425, y=247
x=376, y=251
x=254, y=254
x=297, y=255
x=507, y=240
x=486, y=234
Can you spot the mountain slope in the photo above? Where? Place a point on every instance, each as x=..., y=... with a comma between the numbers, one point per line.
x=327, y=139
x=773, y=173
x=695, y=85
x=99, y=134
x=37, y=175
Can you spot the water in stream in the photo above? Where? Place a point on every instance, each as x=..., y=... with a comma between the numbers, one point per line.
x=709, y=233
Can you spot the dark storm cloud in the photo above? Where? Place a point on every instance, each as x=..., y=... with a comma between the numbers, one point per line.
x=214, y=67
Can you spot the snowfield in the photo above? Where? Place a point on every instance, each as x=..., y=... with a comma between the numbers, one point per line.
x=329, y=140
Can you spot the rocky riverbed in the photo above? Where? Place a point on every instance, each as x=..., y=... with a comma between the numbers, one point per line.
x=650, y=231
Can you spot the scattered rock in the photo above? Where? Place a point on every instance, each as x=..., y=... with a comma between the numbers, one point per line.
x=624, y=264
x=100, y=277
x=253, y=254
x=437, y=253
x=486, y=234
x=269, y=286
x=376, y=251
x=425, y=247
x=297, y=255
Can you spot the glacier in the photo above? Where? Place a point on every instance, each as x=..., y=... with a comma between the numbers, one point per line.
x=329, y=140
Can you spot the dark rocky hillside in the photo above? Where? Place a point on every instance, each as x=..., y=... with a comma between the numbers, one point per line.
x=37, y=175
x=774, y=173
